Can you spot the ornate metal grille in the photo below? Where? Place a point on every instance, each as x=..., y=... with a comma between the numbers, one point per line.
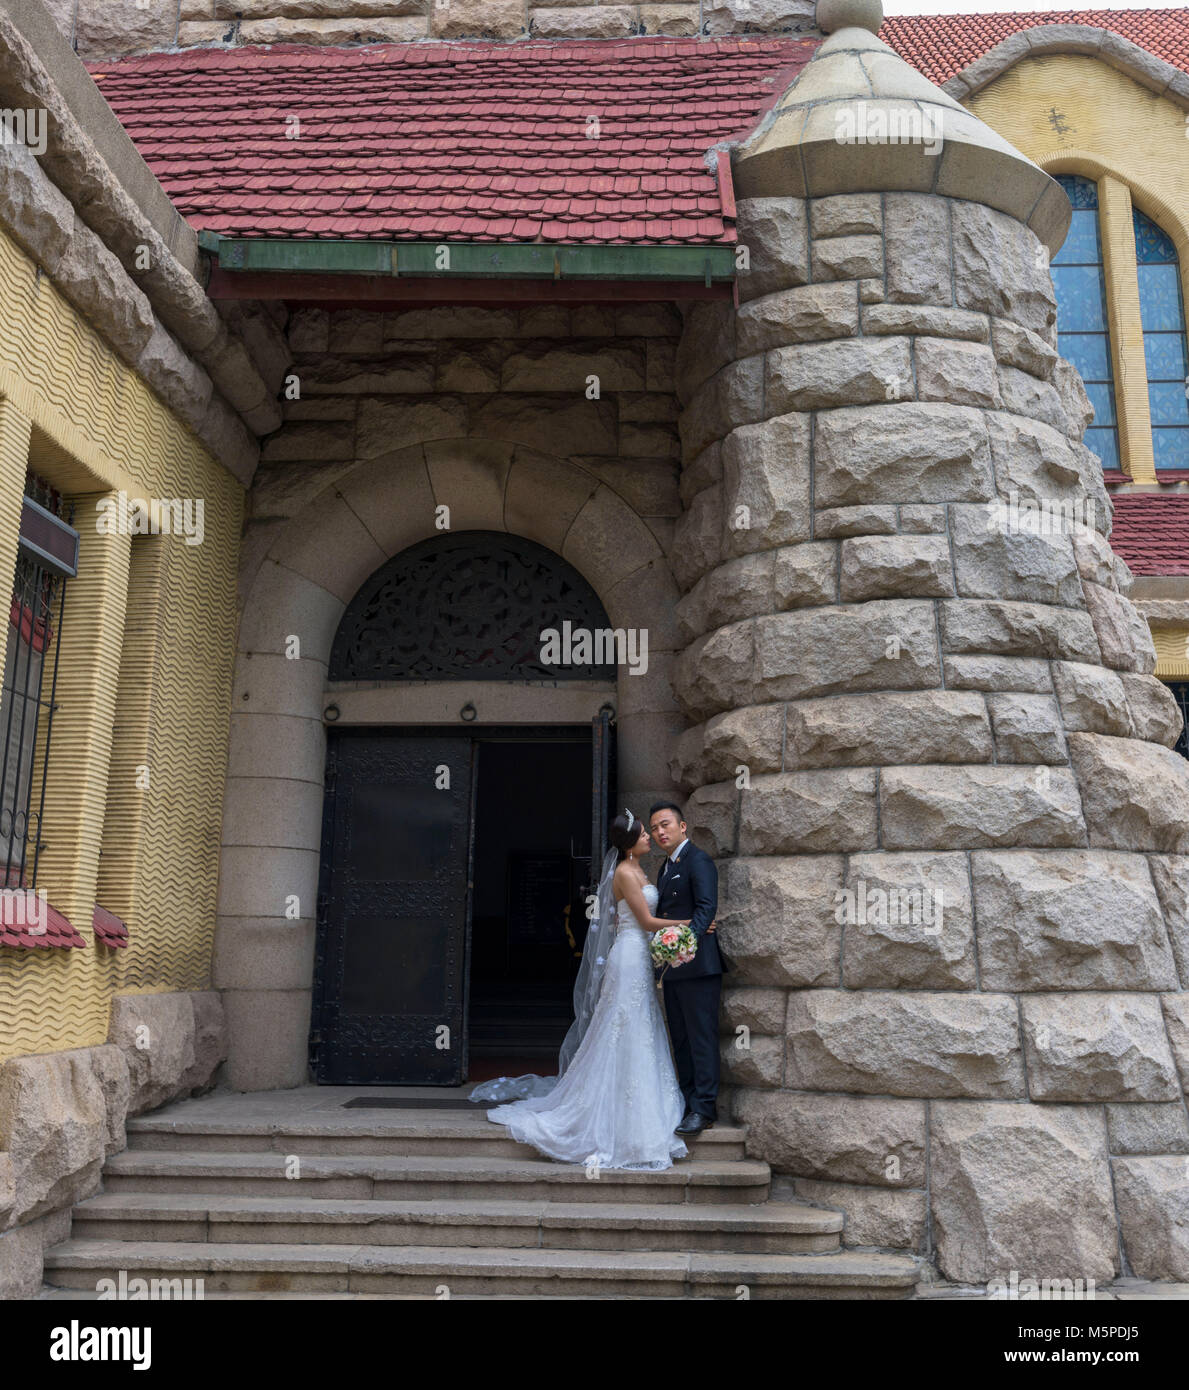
x=47, y=556
x=473, y=606
x=1180, y=690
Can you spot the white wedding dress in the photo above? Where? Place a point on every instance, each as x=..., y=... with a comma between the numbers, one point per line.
x=618, y=1102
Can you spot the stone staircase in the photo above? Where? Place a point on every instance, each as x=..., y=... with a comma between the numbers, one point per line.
x=412, y=1203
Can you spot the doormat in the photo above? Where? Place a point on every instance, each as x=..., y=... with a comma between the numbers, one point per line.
x=407, y=1103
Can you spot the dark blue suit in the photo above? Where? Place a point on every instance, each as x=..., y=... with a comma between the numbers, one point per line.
x=689, y=888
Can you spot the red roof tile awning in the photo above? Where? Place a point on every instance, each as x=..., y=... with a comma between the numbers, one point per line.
x=17, y=927
x=108, y=928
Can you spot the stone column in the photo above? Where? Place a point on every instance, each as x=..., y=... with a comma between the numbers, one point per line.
x=927, y=750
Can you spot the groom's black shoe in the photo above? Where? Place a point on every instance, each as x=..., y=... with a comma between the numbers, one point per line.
x=694, y=1124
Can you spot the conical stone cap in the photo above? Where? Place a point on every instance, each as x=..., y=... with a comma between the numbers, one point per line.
x=858, y=118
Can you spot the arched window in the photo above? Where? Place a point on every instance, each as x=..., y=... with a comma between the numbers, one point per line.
x=475, y=606
x=1162, y=314
x=1083, y=332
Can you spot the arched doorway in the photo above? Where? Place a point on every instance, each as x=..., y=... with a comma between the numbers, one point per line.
x=457, y=857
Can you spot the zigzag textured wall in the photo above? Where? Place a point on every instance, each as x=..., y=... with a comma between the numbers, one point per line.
x=153, y=647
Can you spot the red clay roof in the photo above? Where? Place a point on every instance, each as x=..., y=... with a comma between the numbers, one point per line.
x=471, y=141
x=1151, y=531
x=942, y=45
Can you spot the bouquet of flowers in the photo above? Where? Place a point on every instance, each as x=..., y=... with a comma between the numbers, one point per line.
x=673, y=945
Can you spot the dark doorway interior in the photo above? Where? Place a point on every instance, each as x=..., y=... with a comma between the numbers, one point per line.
x=528, y=924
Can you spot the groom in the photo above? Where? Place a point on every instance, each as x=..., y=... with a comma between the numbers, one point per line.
x=687, y=886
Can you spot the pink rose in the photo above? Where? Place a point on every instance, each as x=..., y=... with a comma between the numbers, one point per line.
x=669, y=937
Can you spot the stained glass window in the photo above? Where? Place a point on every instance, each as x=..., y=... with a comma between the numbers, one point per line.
x=1162, y=314
x=1083, y=331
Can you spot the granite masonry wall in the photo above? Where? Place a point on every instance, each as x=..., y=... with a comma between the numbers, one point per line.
x=112, y=28
x=906, y=695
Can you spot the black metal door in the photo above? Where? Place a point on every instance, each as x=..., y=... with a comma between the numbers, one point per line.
x=394, y=911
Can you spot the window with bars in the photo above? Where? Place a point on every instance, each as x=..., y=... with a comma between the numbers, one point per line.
x=47, y=557
x=1180, y=690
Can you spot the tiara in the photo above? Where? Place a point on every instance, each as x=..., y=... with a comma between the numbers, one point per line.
x=631, y=818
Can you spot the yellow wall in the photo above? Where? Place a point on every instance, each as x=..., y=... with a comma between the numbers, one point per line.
x=145, y=674
x=1074, y=115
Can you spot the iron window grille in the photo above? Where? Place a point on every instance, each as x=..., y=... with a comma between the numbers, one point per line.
x=47, y=556
x=1180, y=690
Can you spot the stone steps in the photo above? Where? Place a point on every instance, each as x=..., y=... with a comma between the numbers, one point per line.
x=766, y=1228
x=429, y=1178
x=404, y=1134
x=426, y=1271
x=406, y=1202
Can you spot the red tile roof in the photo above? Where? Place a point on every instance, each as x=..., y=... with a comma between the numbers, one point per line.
x=1151, y=531
x=494, y=142
x=470, y=141
x=108, y=928
x=942, y=45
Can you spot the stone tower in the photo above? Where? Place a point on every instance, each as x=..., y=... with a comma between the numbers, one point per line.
x=927, y=750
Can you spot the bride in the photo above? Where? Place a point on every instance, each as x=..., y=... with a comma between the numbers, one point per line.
x=615, y=1101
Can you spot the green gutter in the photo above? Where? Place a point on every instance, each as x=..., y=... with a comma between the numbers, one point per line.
x=471, y=260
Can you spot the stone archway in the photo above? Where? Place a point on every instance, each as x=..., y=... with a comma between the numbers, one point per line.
x=297, y=582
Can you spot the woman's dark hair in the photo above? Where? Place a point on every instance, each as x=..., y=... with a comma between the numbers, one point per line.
x=622, y=838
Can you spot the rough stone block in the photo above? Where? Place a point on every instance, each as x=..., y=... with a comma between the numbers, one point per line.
x=712, y=812
x=868, y=519
x=1153, y=1201
x=1000, y=268
x=1036, y=463
x=1007, y=628
x=875, y=1216
x=926, y=320
x=1092, y=699
x=776, y=917
x=759, y=1010
x=1123, y=636
x=857, y=1139
x=992, y=559
x=766, y=485
x=1070, y=920
x=807, y=812
x=1027, y=728
x=997, y=673
x=775, y=232
x=727, y=594
x=1135, y=795
x=896, y=567
x=961, y=373
x=1154, y=710
x=1020, y=347
x=903, y=1044
x=809, y=313
x=1091, y=1047
x=805, y=576
x=1022, y=1188
x=1024, y=395
x=909, y=922
x=759, y=1063
x=1170, y=874
x=846, y=214
x=917, y=228
x=923, y=520
x=881, y=645
x=869, y=730
x=842, y=372
x=848, y=258
x=907, y=452
x=1148, y=1129
x=53, y=1129
x=938, y=807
